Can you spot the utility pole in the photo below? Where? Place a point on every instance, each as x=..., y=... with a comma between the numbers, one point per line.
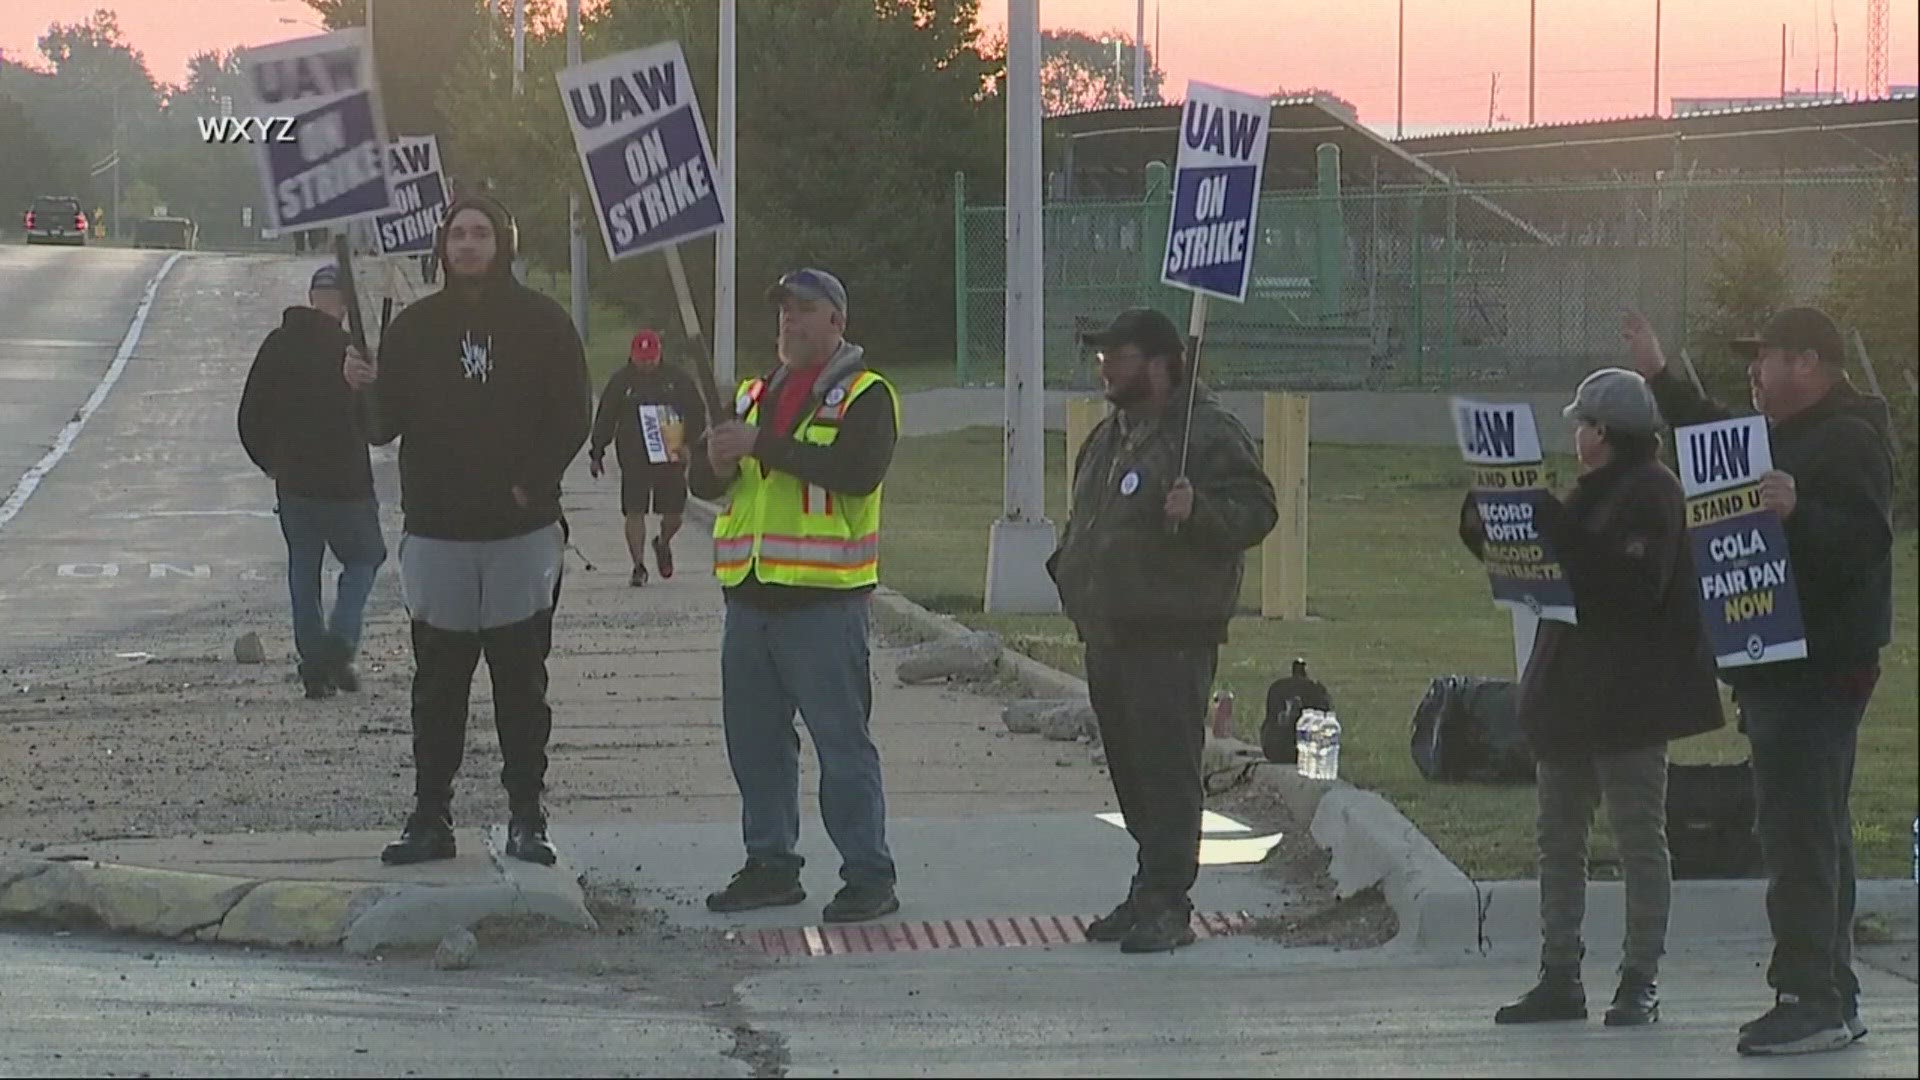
x=1023, y=538
x=1533, y=53
x=725, y=291
x=1657, y=23
x=1400, y=78
x=116, y=163
x=1139, y=53
x=1783, y=62
x=1493, y=98
x=576, y=239
x=519, y=43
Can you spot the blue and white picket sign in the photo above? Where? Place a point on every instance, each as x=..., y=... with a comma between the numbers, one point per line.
x=420, y=194
x=1502, y=444
x=1216, y=192
x=644, y=147
x=336, y=167
x=1747, y=595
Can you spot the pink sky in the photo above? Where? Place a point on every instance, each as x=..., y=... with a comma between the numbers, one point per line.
x=1595, y=59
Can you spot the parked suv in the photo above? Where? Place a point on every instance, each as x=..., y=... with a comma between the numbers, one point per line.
x=56, y=219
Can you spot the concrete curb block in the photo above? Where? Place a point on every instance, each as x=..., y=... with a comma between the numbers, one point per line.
x=548, y=892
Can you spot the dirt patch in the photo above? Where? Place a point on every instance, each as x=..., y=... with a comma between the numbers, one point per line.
x=1319, y=916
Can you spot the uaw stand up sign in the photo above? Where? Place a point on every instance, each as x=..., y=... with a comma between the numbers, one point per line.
x=1747, y=598
x=1509, y=484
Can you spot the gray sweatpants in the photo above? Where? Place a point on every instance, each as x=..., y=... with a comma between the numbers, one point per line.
x=1633, y=784
x=471, y=585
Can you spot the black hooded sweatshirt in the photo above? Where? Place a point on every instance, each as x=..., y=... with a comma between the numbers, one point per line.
x=486, y=387
x=1839, y=452
x=297, y=419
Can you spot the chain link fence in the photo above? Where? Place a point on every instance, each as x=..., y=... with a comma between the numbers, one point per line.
x=1510, y=287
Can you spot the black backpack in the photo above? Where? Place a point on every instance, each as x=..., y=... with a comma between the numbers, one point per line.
x=1286, y=699
x=1468, y=728
x=1710, y=821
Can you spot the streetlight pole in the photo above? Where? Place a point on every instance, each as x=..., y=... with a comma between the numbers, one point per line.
x=1023, y=538
x=519, y=43
x=576, y=239
x=1656, y=57
x=725, y=252
x=1533, y=40
x=1139, y=53
x=1400, y=77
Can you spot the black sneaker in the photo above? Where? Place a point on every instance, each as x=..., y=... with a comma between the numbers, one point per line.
x=1856, y=1027
x=319, y=687
x=1557, y=996
x=527, y=837
x=1794, y=1026
x=428, y=836
x=860, y=903
x=1161, y=930
x=1114, y=925
x=663, y=554
x=758, y=886
x=1636, y=1002
x=339, y=665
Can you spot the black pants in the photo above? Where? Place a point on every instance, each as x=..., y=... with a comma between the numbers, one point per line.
x=1804, y=738
x=443, y=676
x=1152, y=706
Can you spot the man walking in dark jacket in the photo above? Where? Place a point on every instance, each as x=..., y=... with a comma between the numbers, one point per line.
x=1149, y=570
x=651, y=412
x=485, y=384
x=298, y=424
x=1832, y=485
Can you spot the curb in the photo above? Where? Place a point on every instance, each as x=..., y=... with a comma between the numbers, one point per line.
x=358, y=916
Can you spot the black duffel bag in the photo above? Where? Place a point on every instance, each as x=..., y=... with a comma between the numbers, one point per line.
x=1468, y=728
x=1710, y=821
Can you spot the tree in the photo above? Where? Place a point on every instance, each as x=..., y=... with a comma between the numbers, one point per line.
x=1746, y=282
x=36, y=165
x=1080, y=72
x=416, y=44
x=1327, y=99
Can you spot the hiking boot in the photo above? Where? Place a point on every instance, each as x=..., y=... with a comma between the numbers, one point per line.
x=1158, y=930
x=756, y=886
x=1114, y=925
x=663, y=554
x=527, y=836
x=1794, y=1026
x=1557, y=996
x=319, y=687
x=428, y=836
x=1636, y=1002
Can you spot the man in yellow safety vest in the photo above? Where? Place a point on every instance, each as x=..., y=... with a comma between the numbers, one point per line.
x=797, y=551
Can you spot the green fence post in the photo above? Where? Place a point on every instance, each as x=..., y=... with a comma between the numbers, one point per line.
x=961, y=362
x=1330, y=247
x=1685, y=330
x=1156, y=216
x=1453, y=259
x=1419, y=287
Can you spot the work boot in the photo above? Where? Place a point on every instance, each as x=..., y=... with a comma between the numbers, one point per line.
x=428, y=836
x=340, y=669
x=1114, y=925
x=527, y=835
x=1557, y=996
x=758, y=885
x=860, y=903
x=1158, y=929
x=1636, y=1002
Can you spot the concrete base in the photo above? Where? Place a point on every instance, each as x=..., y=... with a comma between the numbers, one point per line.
x=1017, y=581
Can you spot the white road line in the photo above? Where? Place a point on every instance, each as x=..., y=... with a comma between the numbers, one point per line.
x=30, y=480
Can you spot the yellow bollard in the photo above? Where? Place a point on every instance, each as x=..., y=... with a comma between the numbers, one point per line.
x=1083, y=415
x=1283, y=555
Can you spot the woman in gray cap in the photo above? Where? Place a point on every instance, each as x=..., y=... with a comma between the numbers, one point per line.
x=1602, y=697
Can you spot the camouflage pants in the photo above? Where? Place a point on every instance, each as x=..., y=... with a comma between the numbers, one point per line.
x=1633, y=785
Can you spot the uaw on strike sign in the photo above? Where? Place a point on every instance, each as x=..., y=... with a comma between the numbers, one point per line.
x=1747, y=597
x=1509, y=484
x=638, y=130
x=336, y=168
x=419, y=194
x=1216, y=192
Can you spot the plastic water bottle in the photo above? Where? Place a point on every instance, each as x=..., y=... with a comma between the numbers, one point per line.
x=1317, y=745
x=1306, y=751
x=1329, y=746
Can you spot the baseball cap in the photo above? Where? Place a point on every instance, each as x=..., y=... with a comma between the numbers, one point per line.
x=1616, y=399
x=811, y=284
x=1797, y=330
x=327, y=277
x=645, y=347
x=1144, y=328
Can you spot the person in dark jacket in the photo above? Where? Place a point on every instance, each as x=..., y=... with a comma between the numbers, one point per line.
x=485, y=384
x=1149, y=570
x=1832, y=485
x=802, y=464
x=298, y=424
x=1601, y=697
x=651, y=412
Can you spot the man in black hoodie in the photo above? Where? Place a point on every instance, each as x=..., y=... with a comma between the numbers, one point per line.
x=297, y=423
x=1832, y=484
x=485, y=385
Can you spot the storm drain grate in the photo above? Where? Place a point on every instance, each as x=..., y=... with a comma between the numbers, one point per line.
x=1000, y=933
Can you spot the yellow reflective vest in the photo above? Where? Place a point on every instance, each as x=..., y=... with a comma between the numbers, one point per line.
x=786, y=532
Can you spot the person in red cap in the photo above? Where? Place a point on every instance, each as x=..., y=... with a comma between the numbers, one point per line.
x=651, y=412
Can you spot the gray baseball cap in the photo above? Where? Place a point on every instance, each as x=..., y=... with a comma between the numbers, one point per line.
x=811, y=284
x=1618, y=400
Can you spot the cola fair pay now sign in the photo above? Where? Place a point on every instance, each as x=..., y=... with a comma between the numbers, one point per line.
x=1747, y=595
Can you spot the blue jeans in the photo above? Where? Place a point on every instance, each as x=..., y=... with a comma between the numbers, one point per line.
x=1804, y=736
x=810, y=659
x=351, y=528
